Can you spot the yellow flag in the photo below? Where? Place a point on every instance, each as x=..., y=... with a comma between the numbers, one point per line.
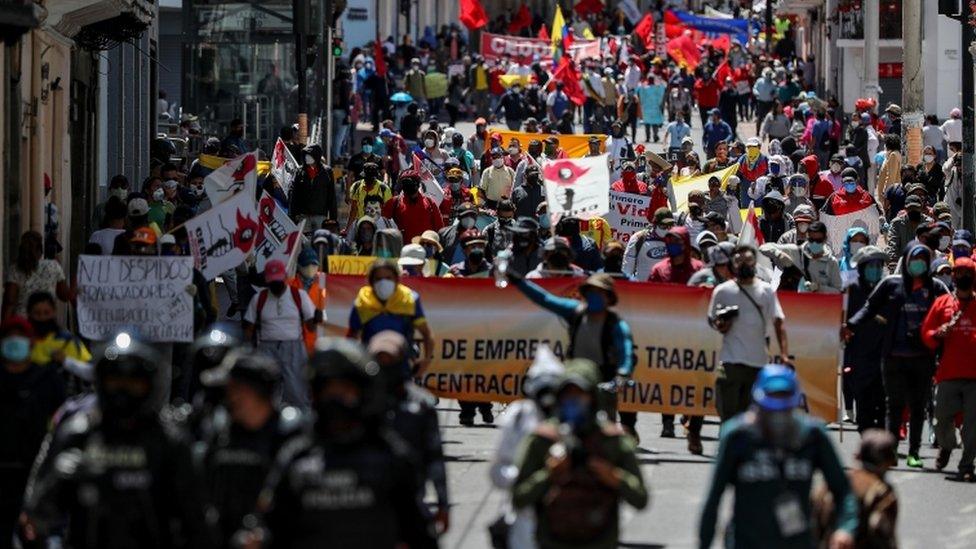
x=557, y=29
x=588, y=34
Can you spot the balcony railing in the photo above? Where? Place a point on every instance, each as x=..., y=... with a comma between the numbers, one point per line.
x=850, y=18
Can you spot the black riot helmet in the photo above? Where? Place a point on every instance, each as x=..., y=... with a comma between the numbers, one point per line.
x=208, y=352
x=346, y=392
x=126, y=382
x=255, y=369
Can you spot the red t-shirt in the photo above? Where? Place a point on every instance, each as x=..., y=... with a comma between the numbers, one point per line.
x=707, y=93
x=664, y=271
x=959, y=346
x=413, y=217
x=635, y=187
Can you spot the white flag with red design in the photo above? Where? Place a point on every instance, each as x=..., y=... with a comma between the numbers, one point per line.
x=238, y=174
x=431, y=188
x=750, y=233
x=275, y=229
x=283, y=165
x=577, y=187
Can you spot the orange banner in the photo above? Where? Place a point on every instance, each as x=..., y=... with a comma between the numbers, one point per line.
x=575, y=145
x=486, y=338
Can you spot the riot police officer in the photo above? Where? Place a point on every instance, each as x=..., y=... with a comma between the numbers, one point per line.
x=350, y=483
x=246, y=435
x=206, y=354
x=413, y=416
x=118, y=475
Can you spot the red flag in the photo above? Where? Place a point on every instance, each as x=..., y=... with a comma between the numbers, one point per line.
x=722, y=43
x=379, y=58
x=570, y=77
x=522, y=19
x=684, y=51
x=544, y=33
x=567, y=39
x=473, y=14
x=645, y=31
x=586, y=7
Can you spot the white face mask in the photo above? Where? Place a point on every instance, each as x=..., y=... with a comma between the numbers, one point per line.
x=384, y=288
x=802, y=227
x=309, y=159
x=660, y=232
x=513, y=150
x=429, y=143
x=928, y=158
x=855, y=246
x=498, y=162
x=309, y=271
x=158, y=195
x=121, y=193
x=800, y=191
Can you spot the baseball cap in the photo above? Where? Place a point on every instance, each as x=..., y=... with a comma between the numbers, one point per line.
x=138, y=207
x=776, y=388
x=663, y=215
x=412, y=255
x=389, y=342
x=848, y=173
x=274, y=271
x=167, y=239
x=721, y=253
x=913, y=201
x=753, y=142
x=704, y=237
x=556, y=243
x=524, y=225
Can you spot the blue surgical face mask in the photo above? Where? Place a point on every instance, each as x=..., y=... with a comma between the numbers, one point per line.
x=850, y=186
x=367, y=149
x=595, y=302
x=573, y=411
x=15, y=348
x=816, y=248
x=918, y=267
x=873, y=273
x=675, y=249
x=544, y=222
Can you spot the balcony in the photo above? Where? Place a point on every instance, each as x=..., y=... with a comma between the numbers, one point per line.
x=100, y=24
x=850, y=20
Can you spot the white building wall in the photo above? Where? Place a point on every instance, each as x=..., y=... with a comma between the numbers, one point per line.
x=941, y=58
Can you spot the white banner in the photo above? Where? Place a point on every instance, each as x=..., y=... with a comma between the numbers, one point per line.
x=239, y=173
x=275, y=228
x=144, y=295
x=628, y=214
x=221, y=237
x=584, y=49
x=837, y=225
x=283, y=166
x=431, y=187
x=630, y=10
x=577, y=187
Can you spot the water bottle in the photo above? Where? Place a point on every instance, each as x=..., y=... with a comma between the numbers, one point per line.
x=501, y=268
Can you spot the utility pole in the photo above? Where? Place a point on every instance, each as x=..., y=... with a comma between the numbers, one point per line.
x=968, y=123
x=912, y=80
x=871, y=32
x=300, y=26
x=329, y=77
x=769, y=26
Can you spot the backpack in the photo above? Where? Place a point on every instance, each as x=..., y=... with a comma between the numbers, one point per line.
x=581, y=509
x=263, y=299
x=609, y=367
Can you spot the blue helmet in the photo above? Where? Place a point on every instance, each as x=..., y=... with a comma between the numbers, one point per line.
x=776, y=388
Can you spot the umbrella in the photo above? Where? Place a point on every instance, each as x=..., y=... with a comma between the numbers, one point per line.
x=401, y=97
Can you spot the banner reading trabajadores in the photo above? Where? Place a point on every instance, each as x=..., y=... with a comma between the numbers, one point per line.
x=483, y=352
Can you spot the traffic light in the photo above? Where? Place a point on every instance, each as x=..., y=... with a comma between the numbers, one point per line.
x=336, y=46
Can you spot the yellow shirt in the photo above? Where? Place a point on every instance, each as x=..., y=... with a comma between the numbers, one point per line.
x=480, y=78
x=596, y=228
x=358, y=194
x=43, y=349
x=497, y=182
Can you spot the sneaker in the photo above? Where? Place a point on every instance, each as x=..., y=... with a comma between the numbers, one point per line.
x=943, y=460
x=487, y=416
x=914, y=462
x=667, y=431
x=694, y=443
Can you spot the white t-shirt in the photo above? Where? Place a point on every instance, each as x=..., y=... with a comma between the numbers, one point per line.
x=745, y=342
x=952, y=128
x=105, y=238
x=279, y=317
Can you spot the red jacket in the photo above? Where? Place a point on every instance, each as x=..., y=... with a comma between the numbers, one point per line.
x=707, y=93
x=413, y=217
x=959, y=347
x=635, y=187
x=840, y=202
x=665, y=271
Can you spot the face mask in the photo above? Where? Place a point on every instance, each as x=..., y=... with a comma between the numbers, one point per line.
x=122, y=194
x=595, y=302
x=944, y=243
x=675, y=249
x=158, y=195
x=872, y=274
x=15, y=348
x=850, y=186
x=746, y=272
x=309, y=160
x=928, y=158
x=513, y=150
x=467, y=222
x=198, y=191
x=855, y=246
x=384, y=288
x=455, y=186
x=544, y=221
x=836, y=168
x=498, y=162
x=918, y=267
x=573, y=411
x=429, y=143
x=310, y=271
x=816, y=248
x=964, y=282
x=505, y=221
x=277, y=287
x=660, y=232
x=802, y=227
x=476, y=255
x=914, y=216
x=855, y=123
x=752, y=153
x=367, y=149
x=410, y=188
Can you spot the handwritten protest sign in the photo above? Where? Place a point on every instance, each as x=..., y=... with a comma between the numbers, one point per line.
x=221, y=237
x=628, y=214
x=577, y=187
x=145, y=295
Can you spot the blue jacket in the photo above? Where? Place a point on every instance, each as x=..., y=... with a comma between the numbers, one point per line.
x=713, y=134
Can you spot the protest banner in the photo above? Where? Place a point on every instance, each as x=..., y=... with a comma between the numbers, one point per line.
x=484, y=357
x=275, y=228
x=738, y=28
x=628, y=214
x=283, y=166
x=356, y=265
x=143, y=295
x=837, y=225
x=239, y=174
x=221, y=237
x=698, y=183
x=577, y=187
x=526, y=51
x=575, y=145
x=582, y=50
